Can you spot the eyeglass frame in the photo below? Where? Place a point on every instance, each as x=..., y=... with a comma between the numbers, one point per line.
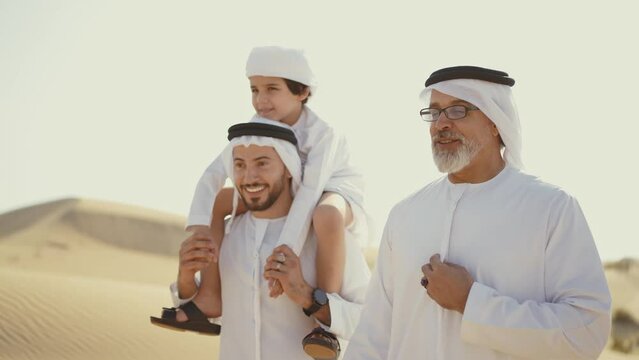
x=444, y=111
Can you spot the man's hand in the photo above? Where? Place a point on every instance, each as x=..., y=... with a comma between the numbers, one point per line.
x=448, y=284
x=215, y=235
x=283, y=266
x=196, y=252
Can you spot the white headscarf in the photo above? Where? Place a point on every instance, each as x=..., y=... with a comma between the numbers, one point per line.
x=281, y=62
x=495, y=101
x=286, y=151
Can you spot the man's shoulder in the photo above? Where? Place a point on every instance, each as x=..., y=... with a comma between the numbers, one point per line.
x=534, y=182
x=537, y=188
x=417, y=197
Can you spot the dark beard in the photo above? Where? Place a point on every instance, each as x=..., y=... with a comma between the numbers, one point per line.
x=273, y=194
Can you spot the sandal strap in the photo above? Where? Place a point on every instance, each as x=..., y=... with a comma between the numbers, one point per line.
x=193, y=313
x=169, y=313
x=328, y=336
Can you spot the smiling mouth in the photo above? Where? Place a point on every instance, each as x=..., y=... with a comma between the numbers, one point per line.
x=446, y=141
x=254, y=188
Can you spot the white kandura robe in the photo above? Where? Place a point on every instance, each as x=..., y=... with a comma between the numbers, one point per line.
x=325, y=158
x=258, y=327
x=539, y=291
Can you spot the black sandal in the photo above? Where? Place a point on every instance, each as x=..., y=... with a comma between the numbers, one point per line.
x=197, y=321
x=321, y=345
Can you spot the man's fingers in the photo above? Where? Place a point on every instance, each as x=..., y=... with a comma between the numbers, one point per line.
x=275, y=266
x=193, y=266
x=435, y=261
x=427, y=269
x=284, y=249
x=277, y=256
x=276, y=289
x=198, y=254
x=196, y=245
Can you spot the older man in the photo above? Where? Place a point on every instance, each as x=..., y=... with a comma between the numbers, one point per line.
x=487, y=262
x=266, y=171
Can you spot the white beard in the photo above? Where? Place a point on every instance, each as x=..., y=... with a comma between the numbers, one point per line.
x=454, y=161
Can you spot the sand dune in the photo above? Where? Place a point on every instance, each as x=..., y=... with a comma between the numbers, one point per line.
x=74, y=289
x=79, y=279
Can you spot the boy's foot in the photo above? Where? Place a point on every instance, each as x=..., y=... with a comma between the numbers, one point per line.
x=321, y=345
x=197, y=321
x=205, y=306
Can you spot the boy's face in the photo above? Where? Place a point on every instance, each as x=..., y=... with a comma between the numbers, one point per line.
x=273, y=100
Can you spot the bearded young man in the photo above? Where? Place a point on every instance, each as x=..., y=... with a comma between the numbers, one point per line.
x=487, y=262
x=265, y=167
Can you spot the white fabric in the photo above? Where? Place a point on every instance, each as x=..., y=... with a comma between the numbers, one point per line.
x=281, y=62
x=255, y=326
x=539, y=291
x=495, y=101
x=325, y=159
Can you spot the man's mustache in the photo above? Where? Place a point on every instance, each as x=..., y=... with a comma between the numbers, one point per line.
x=447, y=135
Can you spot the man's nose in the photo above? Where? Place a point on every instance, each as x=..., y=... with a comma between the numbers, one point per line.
x=442, y=122
x=251, y=173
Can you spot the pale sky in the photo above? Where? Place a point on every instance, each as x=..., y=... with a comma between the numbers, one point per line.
x=129, y=101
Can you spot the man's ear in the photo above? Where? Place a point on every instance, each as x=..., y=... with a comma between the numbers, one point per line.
x=494, y=130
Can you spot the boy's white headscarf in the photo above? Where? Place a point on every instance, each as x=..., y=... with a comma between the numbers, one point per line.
x=286, y=150
x=281, y=62
x=495, y=101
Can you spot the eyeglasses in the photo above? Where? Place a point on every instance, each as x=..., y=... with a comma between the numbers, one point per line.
x=454, y=112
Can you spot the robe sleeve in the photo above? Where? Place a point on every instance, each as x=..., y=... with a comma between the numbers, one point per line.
x=574, y=320
x=345, y=179
x=372, y=336
x=319, y=166
x=206, y=190
x=344, y=316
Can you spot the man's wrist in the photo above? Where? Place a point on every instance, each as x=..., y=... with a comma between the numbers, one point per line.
x=319, y=300
x=307, y=298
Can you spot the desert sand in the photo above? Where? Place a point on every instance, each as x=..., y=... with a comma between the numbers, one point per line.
x=79, y=279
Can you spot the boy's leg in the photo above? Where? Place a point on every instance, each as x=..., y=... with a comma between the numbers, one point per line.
x=330, y=218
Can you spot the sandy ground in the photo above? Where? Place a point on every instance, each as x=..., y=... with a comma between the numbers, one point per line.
x=74, y=285
x=79, y=279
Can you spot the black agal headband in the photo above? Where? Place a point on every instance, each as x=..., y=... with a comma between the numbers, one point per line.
x=470, y=72
x=260, y=129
